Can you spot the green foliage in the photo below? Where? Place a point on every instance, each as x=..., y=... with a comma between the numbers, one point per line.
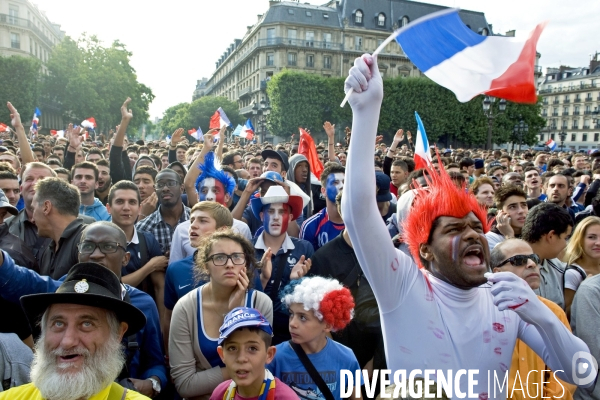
x=203, y=108
x=90, y=80
x=20, y=77
x=198, y=113
x=176, y=117
x=307, y=100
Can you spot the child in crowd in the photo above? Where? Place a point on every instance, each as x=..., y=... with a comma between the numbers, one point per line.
x=317, y=306
x=245, y=348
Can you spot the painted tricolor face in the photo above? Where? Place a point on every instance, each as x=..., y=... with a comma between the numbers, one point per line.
x=212, y=189
x=335, y=183
x=275, y=218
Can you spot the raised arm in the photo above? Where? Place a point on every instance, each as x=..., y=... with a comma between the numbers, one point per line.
x=17, y=281
x=117, y=167
x=330, y=131
x=382, y=264
x=194, y=171
x=219, y=150
x=27, y=155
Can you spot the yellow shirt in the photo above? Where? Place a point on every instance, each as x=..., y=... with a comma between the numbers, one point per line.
x=30, y=392
x=524, y=360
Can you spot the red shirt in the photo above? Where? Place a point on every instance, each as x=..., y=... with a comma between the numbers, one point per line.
x=282, y=392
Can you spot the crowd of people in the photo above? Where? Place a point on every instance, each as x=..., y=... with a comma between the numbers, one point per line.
x=216, y=269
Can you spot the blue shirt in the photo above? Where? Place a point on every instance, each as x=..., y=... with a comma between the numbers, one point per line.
x=97, y=211
x=135, y=261
x=146, y=362
x=292, y=249
x=318, y=229
x=179, y=281
x=328, y=362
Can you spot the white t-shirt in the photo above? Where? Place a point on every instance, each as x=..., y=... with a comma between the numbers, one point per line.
x=573, y=278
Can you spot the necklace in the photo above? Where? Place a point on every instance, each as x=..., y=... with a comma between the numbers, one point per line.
x=214, y=305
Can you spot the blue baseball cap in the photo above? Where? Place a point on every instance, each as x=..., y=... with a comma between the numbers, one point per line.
x=243, y=317
x=272, y=176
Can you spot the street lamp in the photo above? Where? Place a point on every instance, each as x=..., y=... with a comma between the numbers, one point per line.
x=520, y=129
x=488, y=111
x=563, y=136
x=260, y=111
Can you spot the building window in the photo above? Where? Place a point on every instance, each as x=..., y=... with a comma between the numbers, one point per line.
x=308, y=14
x=290, y=11
x=292, y=59
x=357, y=42
x=358, y=17
x=552, y=136
x=325, y=15
x=327, y=62
x=573, y=137
x=310, y=38
x=271, y=36
x=327, y=40
x=381, y=20
x=404, y=21
x=292, y=34
x=584, y=137
x=13, y=14
x=542, y=137
x=596, y=137
x=15, y=40
x=310, y=60
x=270, y=59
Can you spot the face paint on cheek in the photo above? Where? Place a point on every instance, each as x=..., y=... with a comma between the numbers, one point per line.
x=454, y=248
x=331, y=189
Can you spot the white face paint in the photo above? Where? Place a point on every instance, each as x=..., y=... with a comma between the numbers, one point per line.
x=276, y=217
x=211, y=190
x=335, y=183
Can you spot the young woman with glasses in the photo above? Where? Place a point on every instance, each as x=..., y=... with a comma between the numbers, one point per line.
x=225, y=260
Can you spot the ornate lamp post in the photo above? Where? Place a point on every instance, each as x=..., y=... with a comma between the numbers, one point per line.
x=520, y=130
x=488, y=111
x=260, y=111
x=563, y=136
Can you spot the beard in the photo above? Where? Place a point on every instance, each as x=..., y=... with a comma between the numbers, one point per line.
x=55, y=382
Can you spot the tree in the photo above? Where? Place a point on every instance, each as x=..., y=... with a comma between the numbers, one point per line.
x=307, y=100
x=176, y=117
x=203, y=108
x=90, y=80
x=20, y=77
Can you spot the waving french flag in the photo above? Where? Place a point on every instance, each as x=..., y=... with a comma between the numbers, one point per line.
x=35, y=121
x=551, y=144
x=219, y=119
x=89, y=123
x=247, y=131
x=196, y=134
x=468, y=64
x=422, y=156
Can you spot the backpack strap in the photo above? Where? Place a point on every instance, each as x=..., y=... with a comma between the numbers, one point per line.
x=576, y=268
x=312, y=371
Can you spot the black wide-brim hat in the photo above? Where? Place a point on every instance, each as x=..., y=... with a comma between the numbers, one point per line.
x=87, y=284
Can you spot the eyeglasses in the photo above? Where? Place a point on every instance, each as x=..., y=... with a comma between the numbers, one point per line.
x=220, y=259
x=169, y=183
x=105, y=247
x=519, y=260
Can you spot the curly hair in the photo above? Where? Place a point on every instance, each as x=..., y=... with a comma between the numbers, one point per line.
x=201, y=256
x=211, y=169
x=427, y=208
x=327, y=298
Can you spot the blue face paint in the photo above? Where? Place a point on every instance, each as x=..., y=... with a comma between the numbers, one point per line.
x=275, y=218
x=331, y=188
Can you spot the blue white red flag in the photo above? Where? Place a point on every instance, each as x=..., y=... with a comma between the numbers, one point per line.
x=551, y=144
x=89, y=123
x=35, y=121
x=468, y=64
x=422, y=154
x=219, y=119
x=237, y=131
x=248, y=130
x=197, y=134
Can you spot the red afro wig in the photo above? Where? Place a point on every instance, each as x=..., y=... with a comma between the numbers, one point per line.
x=337, y=308
x=442, y=199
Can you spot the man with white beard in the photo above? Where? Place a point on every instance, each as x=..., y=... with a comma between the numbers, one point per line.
x=79, y=354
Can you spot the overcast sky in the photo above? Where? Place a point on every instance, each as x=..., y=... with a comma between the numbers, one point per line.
x=176, y=42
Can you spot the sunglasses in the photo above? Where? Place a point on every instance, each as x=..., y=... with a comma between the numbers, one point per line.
x=519, y=260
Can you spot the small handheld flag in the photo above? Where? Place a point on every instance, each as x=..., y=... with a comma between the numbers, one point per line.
x=196, y=134
x=422, y=154
x=247, y=131
x=551, y=144
x=3, y=127
x=237, y=131
x=219, y=119
x=35, y=121
x=468, y=64
x=307, y=148
x=89, y=123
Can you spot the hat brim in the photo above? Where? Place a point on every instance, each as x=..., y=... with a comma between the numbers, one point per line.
x=384, y=197
x=244, y=324
x=35, y=305
x=295, y=203
x=10, y=208
x=273, y=154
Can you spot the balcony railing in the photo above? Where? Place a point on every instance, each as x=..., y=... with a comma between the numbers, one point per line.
x=589, y=98
x=565, y=113
x=577, y=100
x=244, y=91
x=555, y=102
x=246, y=110
x=567, y=100
x=555, y=114
x=586, y=127
x=537, y=69
x=587, y=112
x=24, y=23
x=572, y=88
x=575, y=112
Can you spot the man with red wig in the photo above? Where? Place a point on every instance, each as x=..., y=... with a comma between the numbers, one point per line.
x=440, y=309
